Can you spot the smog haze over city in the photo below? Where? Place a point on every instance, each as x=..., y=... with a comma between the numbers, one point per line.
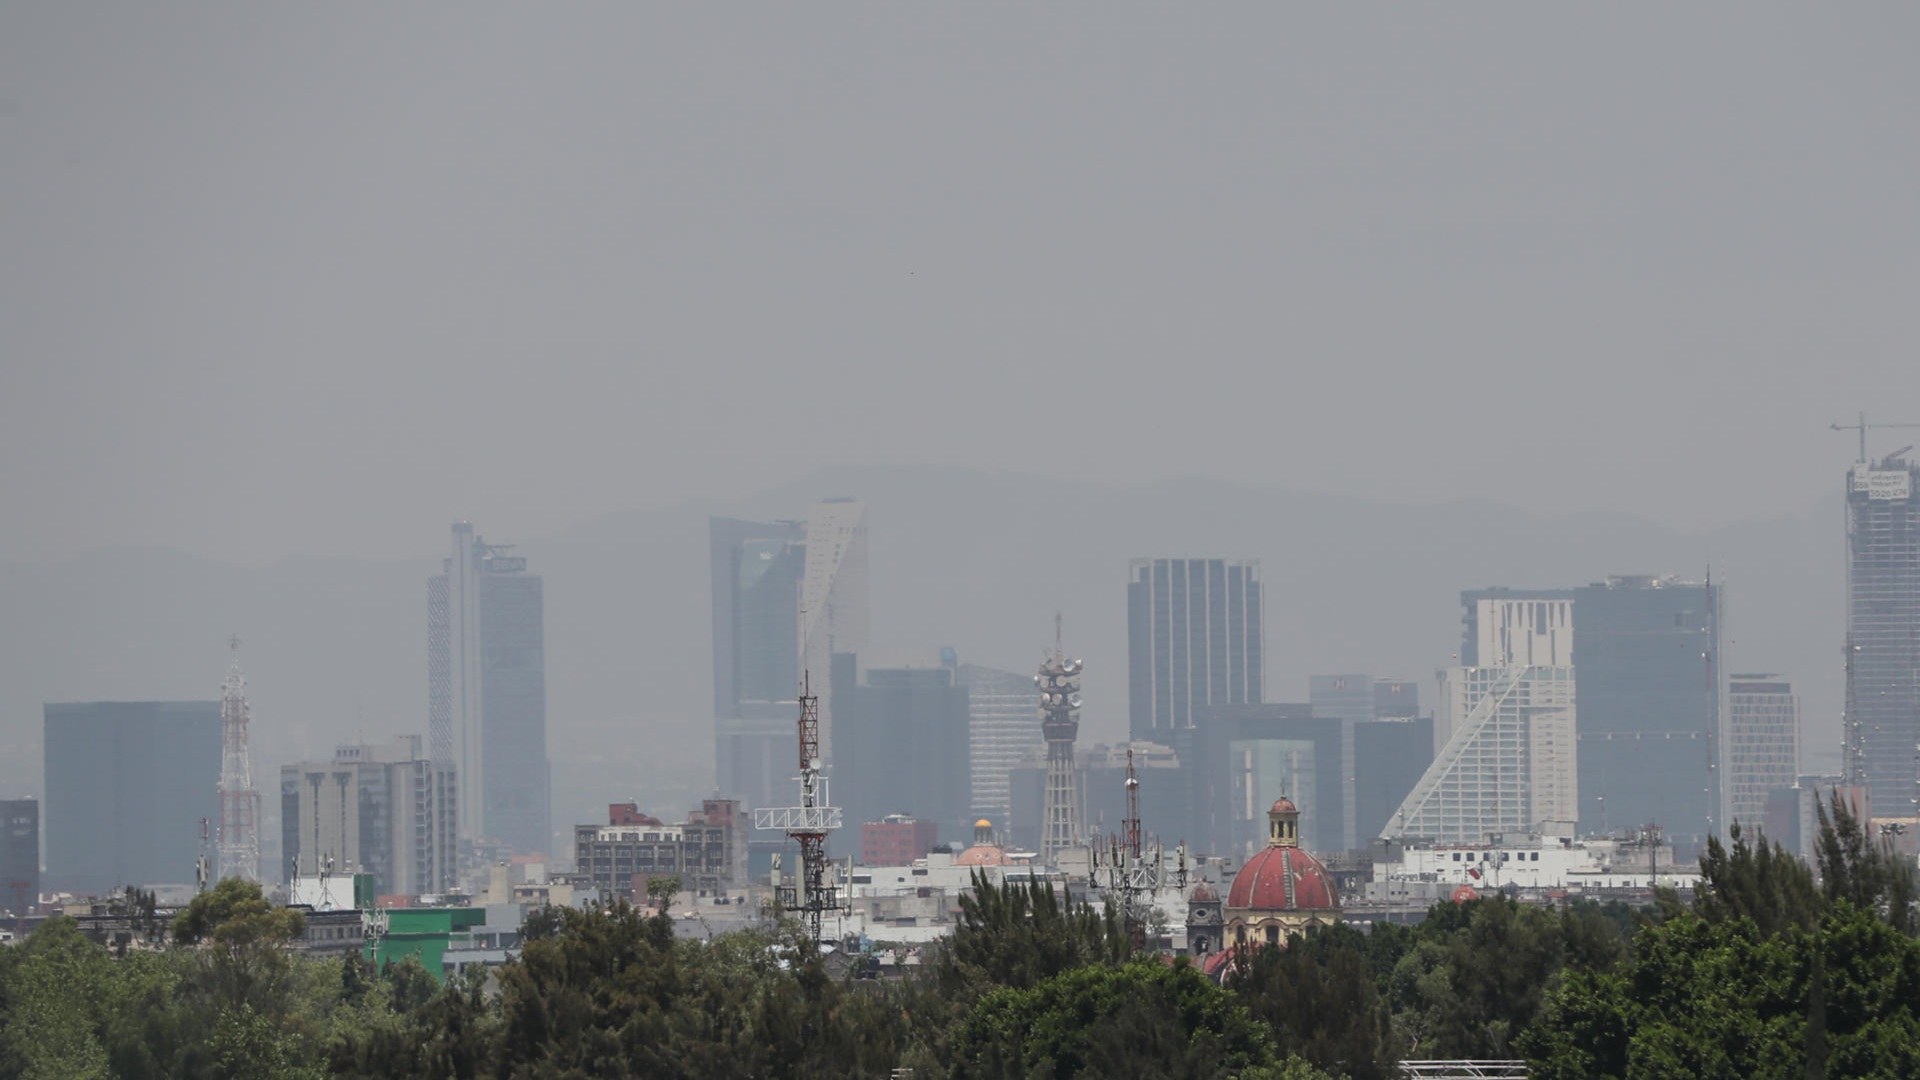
x=1399, y=302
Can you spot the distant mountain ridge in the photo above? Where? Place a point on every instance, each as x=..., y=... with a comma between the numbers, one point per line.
x=335, y=649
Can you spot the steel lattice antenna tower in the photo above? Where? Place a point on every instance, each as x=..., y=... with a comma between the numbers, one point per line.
x=1059, y=683
x=239, y=843
x=807, y=824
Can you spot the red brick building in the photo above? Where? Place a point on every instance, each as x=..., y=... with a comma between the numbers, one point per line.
x=896, y=841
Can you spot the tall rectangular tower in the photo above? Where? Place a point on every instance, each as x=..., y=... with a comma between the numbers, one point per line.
x=1763, y=744
x=1883, y=634
x=1648, y=656
x=903, y=746
x=19, y=856
x=757, y=568
x=487, y=691
x=1003, y=731
x=1194, y=639
x=129, y=784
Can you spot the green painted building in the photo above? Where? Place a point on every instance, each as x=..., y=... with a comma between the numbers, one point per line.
x=423, y=932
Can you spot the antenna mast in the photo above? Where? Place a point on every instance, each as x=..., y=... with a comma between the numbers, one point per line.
x=239, y=844
x=807, y=824
x=1131, y=875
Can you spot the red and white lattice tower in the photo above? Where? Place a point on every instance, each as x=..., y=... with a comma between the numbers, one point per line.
x=239, y=840
x=807, y=825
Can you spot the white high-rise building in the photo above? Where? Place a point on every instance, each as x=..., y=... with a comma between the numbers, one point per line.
x=833, y=597
x=1504, y=731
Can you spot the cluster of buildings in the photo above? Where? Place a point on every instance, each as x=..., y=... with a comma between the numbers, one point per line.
x=1585, y=738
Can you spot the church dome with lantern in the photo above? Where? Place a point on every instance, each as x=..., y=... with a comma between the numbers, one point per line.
x=1282, y=889
x=984, y=851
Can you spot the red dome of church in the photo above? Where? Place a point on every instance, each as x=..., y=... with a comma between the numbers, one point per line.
x=1282, y=879
x=1283, y=876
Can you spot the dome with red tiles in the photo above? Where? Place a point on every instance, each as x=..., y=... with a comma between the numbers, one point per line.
x=1282, y=889
x=1282, y=879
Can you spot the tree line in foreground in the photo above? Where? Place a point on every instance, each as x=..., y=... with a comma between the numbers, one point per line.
x=1770, y=971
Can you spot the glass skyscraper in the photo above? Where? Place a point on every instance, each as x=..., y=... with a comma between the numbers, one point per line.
x=128, y=785
x=1194, y=639
x=786, y=596
x=1646, y=655
x=487, y=692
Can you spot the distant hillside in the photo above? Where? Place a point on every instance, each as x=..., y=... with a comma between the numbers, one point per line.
x=979, y=561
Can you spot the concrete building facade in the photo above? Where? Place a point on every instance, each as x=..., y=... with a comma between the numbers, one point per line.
x=1763, y=744
x=707, y=851
x=387, y=811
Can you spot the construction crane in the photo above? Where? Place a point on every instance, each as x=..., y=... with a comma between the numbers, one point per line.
x=1863, y=427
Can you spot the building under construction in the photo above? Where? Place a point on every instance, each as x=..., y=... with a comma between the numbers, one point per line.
x=1883, y=634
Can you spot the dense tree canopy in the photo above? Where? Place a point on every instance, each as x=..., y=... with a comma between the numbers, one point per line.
x=1770, y=970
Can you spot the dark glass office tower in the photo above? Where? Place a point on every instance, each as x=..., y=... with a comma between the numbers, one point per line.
x=1646, y=660
x=487, y=691
x=1883, y=635
x=1194, y=640
x=757, y=570
x=1646, y=654
x=128, y=785
x=1383, y=751
x=903, y=744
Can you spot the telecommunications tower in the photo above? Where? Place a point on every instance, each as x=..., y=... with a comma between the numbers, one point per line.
x=239, y=843
x=807, y=825
x=1059, y=683
x=1130, y=872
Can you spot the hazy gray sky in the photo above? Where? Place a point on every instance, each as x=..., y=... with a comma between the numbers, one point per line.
x=298, y=278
